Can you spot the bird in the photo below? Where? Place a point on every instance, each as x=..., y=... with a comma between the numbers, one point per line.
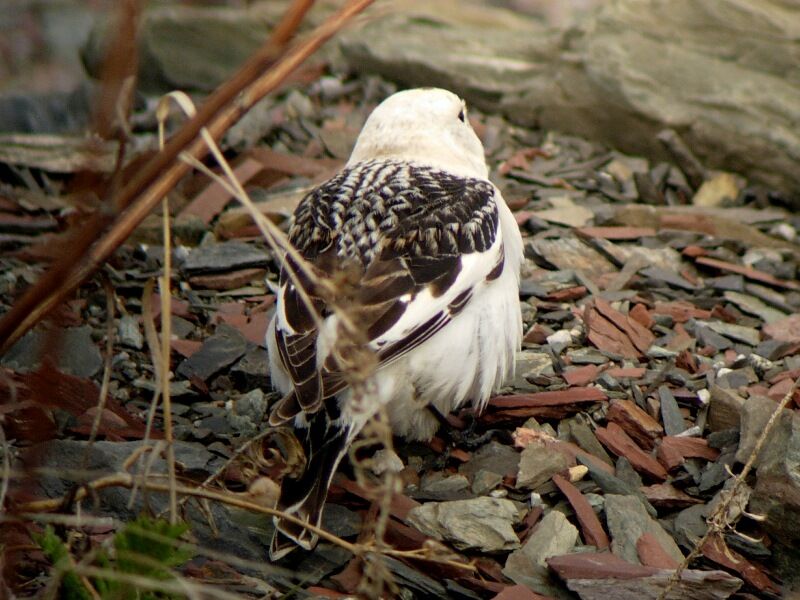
x=437, y=254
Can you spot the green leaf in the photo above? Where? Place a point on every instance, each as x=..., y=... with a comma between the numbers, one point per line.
x=57, y=552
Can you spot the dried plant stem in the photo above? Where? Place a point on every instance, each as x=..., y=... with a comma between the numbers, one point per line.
x=718, y=521
x=127, y=480
x=101, y=401
x=166, y=337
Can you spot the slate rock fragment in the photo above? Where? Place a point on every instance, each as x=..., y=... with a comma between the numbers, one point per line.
x=76, y=352
x=219, y=351
x=553, y=536
x=627, y=520
x=484, y=524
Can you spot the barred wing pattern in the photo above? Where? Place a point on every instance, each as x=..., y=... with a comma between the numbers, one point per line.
x=406, y=233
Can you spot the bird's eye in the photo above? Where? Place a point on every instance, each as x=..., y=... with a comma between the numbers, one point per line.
x=462, y=116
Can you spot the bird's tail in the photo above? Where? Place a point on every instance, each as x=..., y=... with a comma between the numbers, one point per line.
x=304, y=497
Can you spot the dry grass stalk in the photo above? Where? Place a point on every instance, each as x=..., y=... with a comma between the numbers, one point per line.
x=725, y=514
x=165, y=375
x=106, y=381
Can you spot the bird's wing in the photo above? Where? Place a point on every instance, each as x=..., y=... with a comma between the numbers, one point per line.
x=413, y=241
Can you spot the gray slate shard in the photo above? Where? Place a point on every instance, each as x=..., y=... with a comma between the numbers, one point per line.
x=627, y=520
x=228, y=256
x=420, y=584
x=220, y=350
x=51, y=113
x=77, y=354
x=252, y=370
x=611, y=484
x=671, y=416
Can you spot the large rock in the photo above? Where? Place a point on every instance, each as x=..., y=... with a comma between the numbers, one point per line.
x=484, y=54
x=189, y=48
x=720, y=73
x=776, y=495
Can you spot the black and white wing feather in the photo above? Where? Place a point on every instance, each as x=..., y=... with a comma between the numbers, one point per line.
x=419, y=240
x=413, y=232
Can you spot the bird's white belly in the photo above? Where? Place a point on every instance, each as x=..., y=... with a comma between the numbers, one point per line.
x=468, y=360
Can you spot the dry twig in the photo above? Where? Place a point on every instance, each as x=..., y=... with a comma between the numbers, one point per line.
x=722, y=519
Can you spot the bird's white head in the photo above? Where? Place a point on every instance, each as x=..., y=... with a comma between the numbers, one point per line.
x=423, y=125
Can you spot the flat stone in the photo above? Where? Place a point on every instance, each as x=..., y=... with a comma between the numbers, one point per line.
x=252, y=370
x=530, y=364
x=690, y=525
x=651, y=554
x=64, y=458
x=708, y=337
x=670, y=412
x=673, y=451
x=593, y=532
x=494, y=457
x=775, y=349
x=130, y=334
x=219, y=351
x=584, y=436
x=177, y=45
x=627, y=520
x=664, y=276
x=637, y=423
x=538, y=463
x=610, y=484
x=484, y=524
x=739, y=333
x=627, y=473
x=418, y=583
x=755, y=306
x=666, y=495
x=587, y=356
x=724, y=409
x=614, y=438
x=554, y=536
x=784, y=330
x=518, y=592
x=228, y=256
x=736, y=378
x=75, y=353
x=325, y=560
x=252, y=405
x=717, y=472
x=602, y=576
x=341, y=521
x=755, y=412
x=441, y=486
x=485, y=481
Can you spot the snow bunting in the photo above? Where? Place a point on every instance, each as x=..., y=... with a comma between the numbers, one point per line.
x=438, y=255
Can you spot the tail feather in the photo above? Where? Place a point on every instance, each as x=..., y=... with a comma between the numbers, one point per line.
x=304, y=497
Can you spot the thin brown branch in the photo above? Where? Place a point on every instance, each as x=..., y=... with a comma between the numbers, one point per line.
x=285, y=30
x=159, y=175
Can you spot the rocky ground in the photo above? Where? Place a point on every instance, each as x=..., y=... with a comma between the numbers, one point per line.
x=659, y=298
